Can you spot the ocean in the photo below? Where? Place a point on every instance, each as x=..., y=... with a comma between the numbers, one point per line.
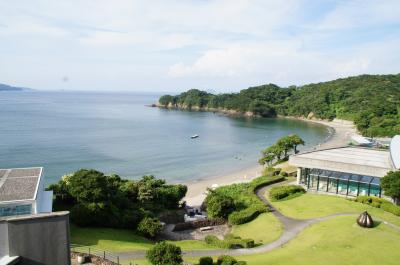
x=118, y=133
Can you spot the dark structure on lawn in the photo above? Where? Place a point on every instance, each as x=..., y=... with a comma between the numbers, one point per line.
x=365, y=220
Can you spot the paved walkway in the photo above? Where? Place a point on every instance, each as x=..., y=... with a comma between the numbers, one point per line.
x=291, y=228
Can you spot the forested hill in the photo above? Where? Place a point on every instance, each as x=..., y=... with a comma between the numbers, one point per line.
x=371, y=101
x=4, y=87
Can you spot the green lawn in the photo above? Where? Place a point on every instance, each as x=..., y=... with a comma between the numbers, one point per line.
x=121, y=240
x=339, y=241
x=314, y=205
x=264, y=229
x=117, y=240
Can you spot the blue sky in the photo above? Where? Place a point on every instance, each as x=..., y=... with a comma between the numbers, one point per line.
x=172, y=46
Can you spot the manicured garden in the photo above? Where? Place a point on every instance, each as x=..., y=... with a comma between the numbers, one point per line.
x=315, y=205
x=264, y=229
x=337, y=241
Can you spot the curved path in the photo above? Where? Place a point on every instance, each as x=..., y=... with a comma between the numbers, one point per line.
x=291, y=228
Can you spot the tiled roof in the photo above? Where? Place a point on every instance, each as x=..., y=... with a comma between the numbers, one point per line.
x=19, y=184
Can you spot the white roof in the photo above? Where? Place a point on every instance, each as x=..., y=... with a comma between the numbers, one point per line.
x=360, y=139
x=395, y=151
x=363, y=161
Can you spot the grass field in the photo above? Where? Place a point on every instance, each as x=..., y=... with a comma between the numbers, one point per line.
x=264, y=229
x=337, y=241
x=109, y=239
x=122, y=240
x=314, y=205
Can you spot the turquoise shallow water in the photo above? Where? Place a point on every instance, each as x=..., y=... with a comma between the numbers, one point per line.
x=117, y=133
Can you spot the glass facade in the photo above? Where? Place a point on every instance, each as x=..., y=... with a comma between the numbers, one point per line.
x=340, y=182
x=10, y=210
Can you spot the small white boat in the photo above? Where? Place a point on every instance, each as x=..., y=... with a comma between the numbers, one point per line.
x=194, y=136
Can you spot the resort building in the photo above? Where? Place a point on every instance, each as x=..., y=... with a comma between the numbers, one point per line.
x=348, y=171
x=22, y=192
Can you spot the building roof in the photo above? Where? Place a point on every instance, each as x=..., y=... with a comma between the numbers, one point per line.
x=19, y=183
x=363, y=161
x=395, y=151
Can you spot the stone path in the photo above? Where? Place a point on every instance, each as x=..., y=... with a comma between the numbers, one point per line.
x=291, y=228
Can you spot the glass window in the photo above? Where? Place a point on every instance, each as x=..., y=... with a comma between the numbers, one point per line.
x=312, y=185
x=10, y=210
x=332, y=185
x=323, y=182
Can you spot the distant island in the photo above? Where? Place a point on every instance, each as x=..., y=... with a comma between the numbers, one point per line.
x=4, y=87
x=371, y=101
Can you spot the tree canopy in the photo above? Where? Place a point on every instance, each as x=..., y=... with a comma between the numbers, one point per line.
x=371, y=101
x=391, y=185
x=96, y=199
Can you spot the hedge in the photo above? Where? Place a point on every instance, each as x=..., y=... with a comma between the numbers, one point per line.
x=230, y=242
x=379, y=203
x=248, y=214
x=284, y=192
x=198, y=224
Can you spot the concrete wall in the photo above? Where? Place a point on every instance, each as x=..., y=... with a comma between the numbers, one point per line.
x=3, y=239
x=40, y=239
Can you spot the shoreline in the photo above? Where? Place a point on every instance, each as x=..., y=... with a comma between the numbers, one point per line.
x=341, y=132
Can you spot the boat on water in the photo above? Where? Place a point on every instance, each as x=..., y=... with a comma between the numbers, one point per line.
x=194, y=136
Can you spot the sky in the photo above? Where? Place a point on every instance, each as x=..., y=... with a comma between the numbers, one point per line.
x=175, y=45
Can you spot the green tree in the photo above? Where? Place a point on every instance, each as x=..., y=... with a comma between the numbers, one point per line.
x=163, y=253
x=89, y=185
x=390, y=183
x=295, y=141
x=150, y=227
x=267, y=158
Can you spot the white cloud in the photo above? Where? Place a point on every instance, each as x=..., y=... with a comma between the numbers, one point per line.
x=215, y=44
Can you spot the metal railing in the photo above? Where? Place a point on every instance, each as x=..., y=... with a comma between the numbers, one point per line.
x=96, y=252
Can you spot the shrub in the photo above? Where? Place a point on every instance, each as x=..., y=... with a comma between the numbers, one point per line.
x=164, y=253
x=150, y=227
x=198, y=224
x=226, y=260
x=206, y=261
x=230, y=242
x=241, y=262
x=379, y=203
x=247, y=214
x=248, y=243
x=284, y=192
x=219, y=205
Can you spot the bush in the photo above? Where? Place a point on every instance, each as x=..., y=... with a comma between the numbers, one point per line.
x=226, y=260
x=230, y=242
x=284, y=192
x=379, y=203
x=247, y=214
x=248, y=243
x=164, y=253
x=198, y=224
x=206, y=261
x=150, y=227
x=219, y=205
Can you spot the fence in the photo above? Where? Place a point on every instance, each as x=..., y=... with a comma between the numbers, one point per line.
x=93, y=251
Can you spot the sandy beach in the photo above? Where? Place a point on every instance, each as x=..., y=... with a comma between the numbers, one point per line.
x=342, y=131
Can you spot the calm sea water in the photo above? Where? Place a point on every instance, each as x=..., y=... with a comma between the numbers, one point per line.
x=117, y=133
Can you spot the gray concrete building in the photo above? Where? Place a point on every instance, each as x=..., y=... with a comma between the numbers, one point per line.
x=348, y=171
x=39, y=239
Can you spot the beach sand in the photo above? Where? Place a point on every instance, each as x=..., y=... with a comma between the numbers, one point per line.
x=342, y=131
